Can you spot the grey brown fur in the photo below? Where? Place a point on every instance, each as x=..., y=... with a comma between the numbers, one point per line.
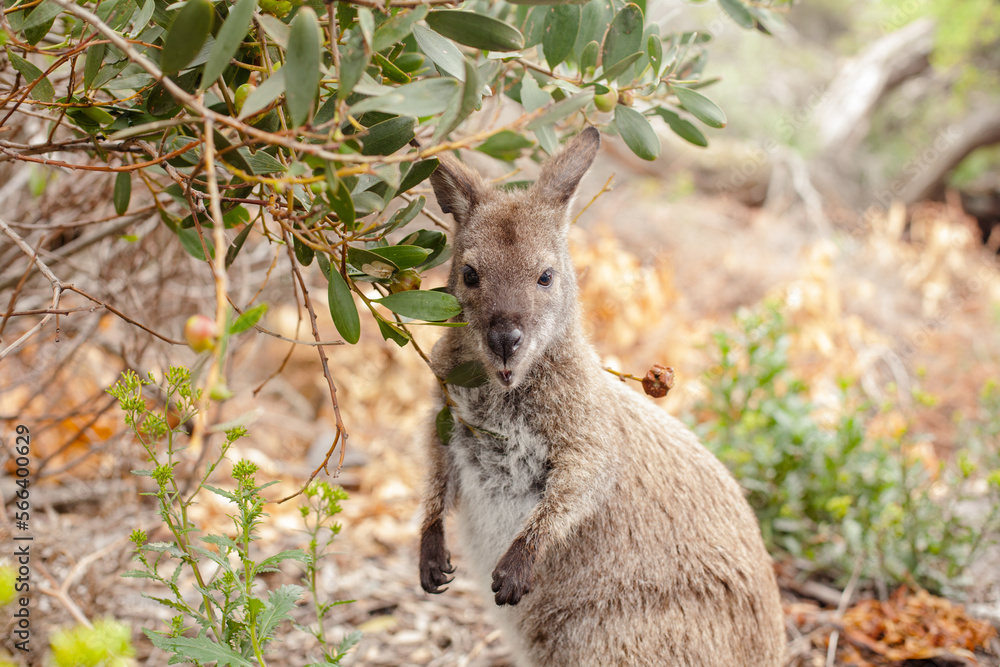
x=607, y=533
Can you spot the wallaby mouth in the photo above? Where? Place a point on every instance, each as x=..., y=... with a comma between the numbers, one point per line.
x=503, y=339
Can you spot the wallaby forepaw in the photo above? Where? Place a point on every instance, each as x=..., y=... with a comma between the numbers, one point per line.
x=513, y=574
x=434, y=575
x=435, y=561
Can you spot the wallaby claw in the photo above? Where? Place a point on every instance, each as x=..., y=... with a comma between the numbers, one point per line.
x=435, y=561
x=513, y=574
x=431, y=579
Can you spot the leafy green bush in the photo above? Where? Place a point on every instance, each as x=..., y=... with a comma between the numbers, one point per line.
x=832, y=492
x=230, y=621
x=306, y=121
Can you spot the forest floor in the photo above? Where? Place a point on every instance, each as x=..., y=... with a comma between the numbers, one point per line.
x=656, y=281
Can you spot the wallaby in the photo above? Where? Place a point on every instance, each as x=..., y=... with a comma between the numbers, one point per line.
x=608, y=534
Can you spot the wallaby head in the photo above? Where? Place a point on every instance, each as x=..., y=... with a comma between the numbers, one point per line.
x=511, y=269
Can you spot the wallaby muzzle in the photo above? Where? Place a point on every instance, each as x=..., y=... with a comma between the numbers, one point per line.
x=503, y=338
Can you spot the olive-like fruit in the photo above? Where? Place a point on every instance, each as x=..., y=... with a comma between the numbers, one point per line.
x=201, y=333
x=606, y=101
x=404, y=281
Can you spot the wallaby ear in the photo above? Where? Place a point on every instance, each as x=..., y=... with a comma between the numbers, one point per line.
x=561, y=174
x=458, y=189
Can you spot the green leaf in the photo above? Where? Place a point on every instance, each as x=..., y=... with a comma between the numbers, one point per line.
x=397, y=28
x=548, y=2
x=562, y=109
x=418, y=173
x=366, y=24
x=436, y=241
x=270, y=563
x=260, y=162
x=191, y=242
x=367, y=202
x=700, y=106
x=533, y=97
x=302, y=65
x=422, y=305
x=683, y=128
x=403, y=256
x=505, y=145
x=403, y=216
x=389, y=136
x=390, y=71
x=43, y=89
x=303, y=254
x=276, y=29
x=354, y=56
x=561, y=27
x=200, y=649
x=370, y=263
x=237, y=245
x=141, y=19
x=533, y=27
x=619, y=67
x=588, y=58
x=624, y=36
x=476, y=30
x=654, y=49
x=426, y=97
x=248, y=319
x=279, y=603
x=238, y=215
x=234, y=157
x=342, y=307
x=462, y=103
x=92, y=63
x=594, y=21
x=739, y=13
x=391, y=332
x=41, y=15
x=442, y=51
x=637, y=133
x=445, y=424
x=339, y=196
x=268, y=91
x=228, y=41
x=187, y=35
x=98, y=115
x=469, y=374
x=123, y=192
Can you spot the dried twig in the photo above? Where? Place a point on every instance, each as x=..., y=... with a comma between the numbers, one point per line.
x=57, y=288
x=341, y=435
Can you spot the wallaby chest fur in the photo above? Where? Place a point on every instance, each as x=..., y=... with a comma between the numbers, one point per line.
x=606, y=531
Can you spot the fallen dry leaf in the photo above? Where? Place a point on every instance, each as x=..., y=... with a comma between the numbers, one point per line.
x=915, y=626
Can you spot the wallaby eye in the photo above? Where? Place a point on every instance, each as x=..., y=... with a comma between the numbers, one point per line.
x=546, y=278
x=469, y=276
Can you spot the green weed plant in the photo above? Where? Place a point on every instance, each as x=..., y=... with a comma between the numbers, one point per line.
x=832, y=492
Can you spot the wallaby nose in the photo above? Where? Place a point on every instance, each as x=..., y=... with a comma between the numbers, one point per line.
x=504, y=340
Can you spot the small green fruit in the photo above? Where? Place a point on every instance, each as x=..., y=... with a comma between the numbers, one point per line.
x=241, y=94
x=405, y=281
x=201, y=333
x=220, y=392
x=606, y=101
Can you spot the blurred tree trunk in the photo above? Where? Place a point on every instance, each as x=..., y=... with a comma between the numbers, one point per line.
x=951, y=146
x=843, y=119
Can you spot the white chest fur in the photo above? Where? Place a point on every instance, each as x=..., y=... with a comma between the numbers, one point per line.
x=500, y=470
